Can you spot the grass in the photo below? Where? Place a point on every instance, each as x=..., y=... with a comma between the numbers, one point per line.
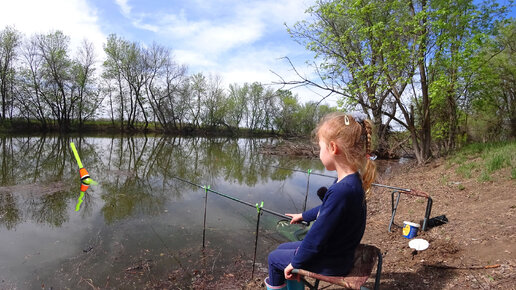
x=484, y=176
x=444, y=179
x=485, y=158
x=465, y=169
x=498, y=161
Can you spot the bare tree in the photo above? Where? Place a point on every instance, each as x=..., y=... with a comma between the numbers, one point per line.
x=85, y=93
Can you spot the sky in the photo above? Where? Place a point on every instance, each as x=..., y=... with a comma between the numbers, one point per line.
x=238, y=40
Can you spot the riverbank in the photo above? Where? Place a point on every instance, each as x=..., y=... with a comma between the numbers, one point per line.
x=474, y=250
x=480, y=232
x=107, y=127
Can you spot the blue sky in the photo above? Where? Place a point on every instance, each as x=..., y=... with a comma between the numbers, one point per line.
x=241, y=41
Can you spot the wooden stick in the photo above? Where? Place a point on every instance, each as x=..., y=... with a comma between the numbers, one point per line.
x=462, y=268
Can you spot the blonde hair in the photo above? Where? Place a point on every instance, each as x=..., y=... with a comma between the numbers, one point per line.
x=354, y=140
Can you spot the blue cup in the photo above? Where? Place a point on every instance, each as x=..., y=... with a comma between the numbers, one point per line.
x=410, y=229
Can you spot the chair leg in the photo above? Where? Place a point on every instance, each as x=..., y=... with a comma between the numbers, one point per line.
x=310, y=286
x=394, y=207
x=427, y=213
x=378, y=271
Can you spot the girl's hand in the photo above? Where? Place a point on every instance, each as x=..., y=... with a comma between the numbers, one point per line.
x=288, y=272
x=296, y=217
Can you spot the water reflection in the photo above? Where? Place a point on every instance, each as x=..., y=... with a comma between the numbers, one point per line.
x=39, y=178
x=138, y=211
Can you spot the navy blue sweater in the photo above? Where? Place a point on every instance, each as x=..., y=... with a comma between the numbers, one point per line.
x=340, y=220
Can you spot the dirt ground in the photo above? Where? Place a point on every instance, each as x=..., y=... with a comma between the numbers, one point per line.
x=480, y=231
x=476, y=249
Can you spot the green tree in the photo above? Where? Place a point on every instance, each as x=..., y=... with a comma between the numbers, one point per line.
x=198, y=88
x=492, y=106
x=214, y=103
x=134, y=71
x=370, y=52
x=30, y=99
x=165, y=79
x=352, y=48
x=10, y=40
x=285, y=120
x=57, y=65
x=236, y=105
x=113, y=73
x=84, y=85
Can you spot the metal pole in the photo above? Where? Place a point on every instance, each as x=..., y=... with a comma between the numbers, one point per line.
x=258, y=209
x=307, y=187
x=391, y=187
x=205, y=206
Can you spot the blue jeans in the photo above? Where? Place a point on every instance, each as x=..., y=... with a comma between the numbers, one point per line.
x=279, y=260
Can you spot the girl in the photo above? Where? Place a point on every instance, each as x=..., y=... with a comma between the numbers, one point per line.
x=329, y=246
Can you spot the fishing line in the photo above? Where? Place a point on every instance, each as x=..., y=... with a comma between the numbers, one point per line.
x=331, y=176
x=237, y=200
x=303, y=171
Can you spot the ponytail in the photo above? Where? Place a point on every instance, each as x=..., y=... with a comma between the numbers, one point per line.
x=369, y=170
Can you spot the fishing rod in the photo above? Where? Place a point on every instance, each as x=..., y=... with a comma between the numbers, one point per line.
x=331, y=176
x=395, y=190
x=304, y=171
x=238, y=200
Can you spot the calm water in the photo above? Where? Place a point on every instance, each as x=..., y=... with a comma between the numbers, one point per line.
x=139, y=225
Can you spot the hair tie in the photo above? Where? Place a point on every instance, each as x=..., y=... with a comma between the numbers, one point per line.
x=372, y=157
x=358, y=116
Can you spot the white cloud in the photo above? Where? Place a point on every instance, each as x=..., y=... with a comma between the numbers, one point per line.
x=211, y=36
x=192, y=58
x=240, y=47
x=238, y=40
x=73, y=17
x=124, y=7
x=242, y=23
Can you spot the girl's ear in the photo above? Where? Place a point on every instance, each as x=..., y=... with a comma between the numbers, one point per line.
x=333, y=148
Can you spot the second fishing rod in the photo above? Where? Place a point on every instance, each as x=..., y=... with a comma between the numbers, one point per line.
x=238, y=200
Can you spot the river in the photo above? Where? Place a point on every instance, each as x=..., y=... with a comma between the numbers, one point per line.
x=142, y=223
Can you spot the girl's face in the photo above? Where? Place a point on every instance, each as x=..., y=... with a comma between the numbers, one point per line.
x=326, y=156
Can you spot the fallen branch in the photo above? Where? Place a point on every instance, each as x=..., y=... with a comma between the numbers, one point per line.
x=462, y=268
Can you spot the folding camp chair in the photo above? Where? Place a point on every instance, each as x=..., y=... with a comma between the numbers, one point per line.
x=366, y=256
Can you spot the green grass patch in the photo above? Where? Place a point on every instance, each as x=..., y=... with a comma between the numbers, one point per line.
x=465, y=169
x=496, y=162
x=486, y=158
x=484, y=176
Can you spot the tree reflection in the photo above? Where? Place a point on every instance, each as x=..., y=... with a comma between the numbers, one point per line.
x=9, y=212
x=39, y=179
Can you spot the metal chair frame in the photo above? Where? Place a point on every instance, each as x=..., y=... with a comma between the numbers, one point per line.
x=394, y=207
x=378, y=275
